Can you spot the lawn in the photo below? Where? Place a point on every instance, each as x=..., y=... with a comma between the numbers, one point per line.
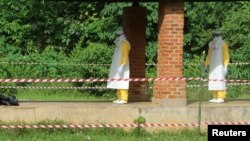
x=233, y=93
x=104, y=134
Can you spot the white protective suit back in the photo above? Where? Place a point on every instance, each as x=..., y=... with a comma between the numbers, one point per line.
x=216, y=65
x=116, y=62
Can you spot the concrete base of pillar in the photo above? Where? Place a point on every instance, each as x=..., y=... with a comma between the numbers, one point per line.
x=138, y=98
x=107, y=112
x=170, y=102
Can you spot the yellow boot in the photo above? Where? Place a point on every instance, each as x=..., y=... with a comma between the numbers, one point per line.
x=124, y=96
x=215, y=97
x=218, y=96
x=221, y=96
x=118, y=94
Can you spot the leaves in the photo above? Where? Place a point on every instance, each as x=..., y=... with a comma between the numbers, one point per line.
x=83, y=32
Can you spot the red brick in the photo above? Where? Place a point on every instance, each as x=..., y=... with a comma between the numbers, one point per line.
x=170, y=49
x=134, y=24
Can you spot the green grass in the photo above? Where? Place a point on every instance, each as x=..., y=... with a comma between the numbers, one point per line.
x=233, y=93
x=244, y=96
x=61, y=95
x=104, y=134
x=108, y=95
x=97, y=134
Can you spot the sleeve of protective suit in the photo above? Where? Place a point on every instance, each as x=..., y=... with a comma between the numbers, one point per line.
x=225, y=54
x=125, y=52
x=207, y=62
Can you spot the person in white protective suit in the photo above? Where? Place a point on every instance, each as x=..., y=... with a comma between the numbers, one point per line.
x=218, y=59
x=119, y=68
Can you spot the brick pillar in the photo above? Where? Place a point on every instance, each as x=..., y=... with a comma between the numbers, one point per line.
x=170, y=54
x=134, y=25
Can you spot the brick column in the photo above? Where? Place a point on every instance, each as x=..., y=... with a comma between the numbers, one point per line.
x=170, y=54
x=134, y=25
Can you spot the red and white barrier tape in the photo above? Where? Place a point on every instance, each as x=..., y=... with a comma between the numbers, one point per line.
x=65, y=80
x=91, y=88
x=229, y=84
x=61, y=64
x=119, y=125
x=51, y=87
x=240, y=63
x=81, y=64
x=197, y=64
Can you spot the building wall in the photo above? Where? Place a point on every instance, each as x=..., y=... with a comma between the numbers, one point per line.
x=170, y=54
x=134, y=24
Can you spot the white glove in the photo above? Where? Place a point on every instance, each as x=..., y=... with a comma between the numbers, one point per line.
x=225, y=70
x=119, y=70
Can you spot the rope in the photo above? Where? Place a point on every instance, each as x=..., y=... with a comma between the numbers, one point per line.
x=88, y=64
x=48, y=88
x=60, y=64
x=119, y=125
x=69, y=80
x=93, y=88
x=230, y=84
x=238, y=63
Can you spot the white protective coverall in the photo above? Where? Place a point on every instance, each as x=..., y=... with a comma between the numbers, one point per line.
x=218, y=59
x=120, y=60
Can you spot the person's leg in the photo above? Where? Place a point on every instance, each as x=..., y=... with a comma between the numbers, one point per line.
x=222, y=95
x=124, y=96
x=215, y=96
x=118, y=94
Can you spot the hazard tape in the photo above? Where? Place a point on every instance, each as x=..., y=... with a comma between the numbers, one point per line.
x=197, y=64
x=93, y=88
x=132, y=125
x=246, y=63
x=50, y=87
x=230, y=84
x=60, y=64
x=150, y=64
x=65, y=80
x=81, y=64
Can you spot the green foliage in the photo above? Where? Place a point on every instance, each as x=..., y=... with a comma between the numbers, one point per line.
x=140, y=120
x=33, y=71
x=151, y=52
x=192, y=67
x=64, y=32
x=232, y=18
x=94, y=53
x=202, y=18
x=103, y=134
